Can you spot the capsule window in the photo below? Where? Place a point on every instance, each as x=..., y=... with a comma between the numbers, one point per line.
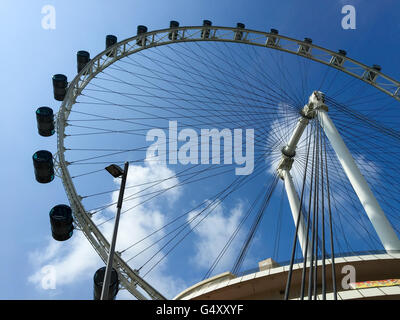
x=45, y=121
x=43, y=166
x=98, y=280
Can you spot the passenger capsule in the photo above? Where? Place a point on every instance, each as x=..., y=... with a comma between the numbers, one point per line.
x=110, y=41
x=173, y=35
x=372, y=74
x=61, y=222
x=82, y=57
x=205, y=33
x=60, y=84
x=98, y=280
x=43, y=166
x=271, y=40
x=304, y=48
x=239, y=34
x=141, y=40
x=338, y=60
x=45, y=121
x=377, y=67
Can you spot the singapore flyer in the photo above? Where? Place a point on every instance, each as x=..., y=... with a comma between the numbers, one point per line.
x=203, y=151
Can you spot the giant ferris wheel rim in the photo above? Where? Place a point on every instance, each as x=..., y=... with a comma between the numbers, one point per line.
x=130, y=278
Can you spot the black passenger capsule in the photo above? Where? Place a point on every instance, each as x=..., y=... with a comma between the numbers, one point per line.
x=271, y=40
x=372, y=74
x=98, y=284
x=338, y=60
x=60, y=84
x=304, y=48
x=239, y=34
x=45, y=121
x=377, y=67
x=43, y=166
x=141, y=40
x=174, y=34
x=110, y=41
x=61, y=222
x=205, y=33
x=82, y=57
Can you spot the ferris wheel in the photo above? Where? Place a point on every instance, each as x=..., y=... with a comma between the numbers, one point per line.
x=286, y=114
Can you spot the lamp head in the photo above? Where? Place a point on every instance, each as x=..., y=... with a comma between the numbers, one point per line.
x=115, y=170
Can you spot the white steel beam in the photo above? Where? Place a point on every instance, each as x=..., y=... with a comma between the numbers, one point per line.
x=371, y=206
x=294, y=203
x=290, y=149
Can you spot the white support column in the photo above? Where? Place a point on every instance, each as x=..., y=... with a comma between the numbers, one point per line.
x=290, y=148
x=371, y=206
x=294, y=203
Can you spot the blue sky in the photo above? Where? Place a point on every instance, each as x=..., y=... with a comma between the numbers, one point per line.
x=31, y=55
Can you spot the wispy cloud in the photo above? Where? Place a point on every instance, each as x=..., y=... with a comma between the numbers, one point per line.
x=213, y=233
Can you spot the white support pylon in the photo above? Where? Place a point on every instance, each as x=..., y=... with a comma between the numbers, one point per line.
x=381, y=224
x=294, y=203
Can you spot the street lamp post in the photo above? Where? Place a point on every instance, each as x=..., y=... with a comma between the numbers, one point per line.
x=115, y=171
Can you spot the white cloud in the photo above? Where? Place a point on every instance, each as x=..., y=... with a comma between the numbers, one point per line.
x=213, y=233
x=71, y=262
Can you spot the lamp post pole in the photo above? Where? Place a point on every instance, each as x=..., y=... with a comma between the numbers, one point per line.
x=107, y=275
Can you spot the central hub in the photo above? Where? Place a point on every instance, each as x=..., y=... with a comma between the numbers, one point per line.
x=315, y=102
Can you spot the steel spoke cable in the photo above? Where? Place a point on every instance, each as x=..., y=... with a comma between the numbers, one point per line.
x=224, y=72
x=210, y=202
x=330, y=227
x=299, y=215
x=255, y=225
x=187, y=233
x=282, y=95
x=233, y=235
x=160, y=192
x=312, y=202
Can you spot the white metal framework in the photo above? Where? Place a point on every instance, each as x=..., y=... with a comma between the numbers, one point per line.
x=130, y=279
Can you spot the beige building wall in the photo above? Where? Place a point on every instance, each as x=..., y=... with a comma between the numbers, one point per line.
x=270, y=281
